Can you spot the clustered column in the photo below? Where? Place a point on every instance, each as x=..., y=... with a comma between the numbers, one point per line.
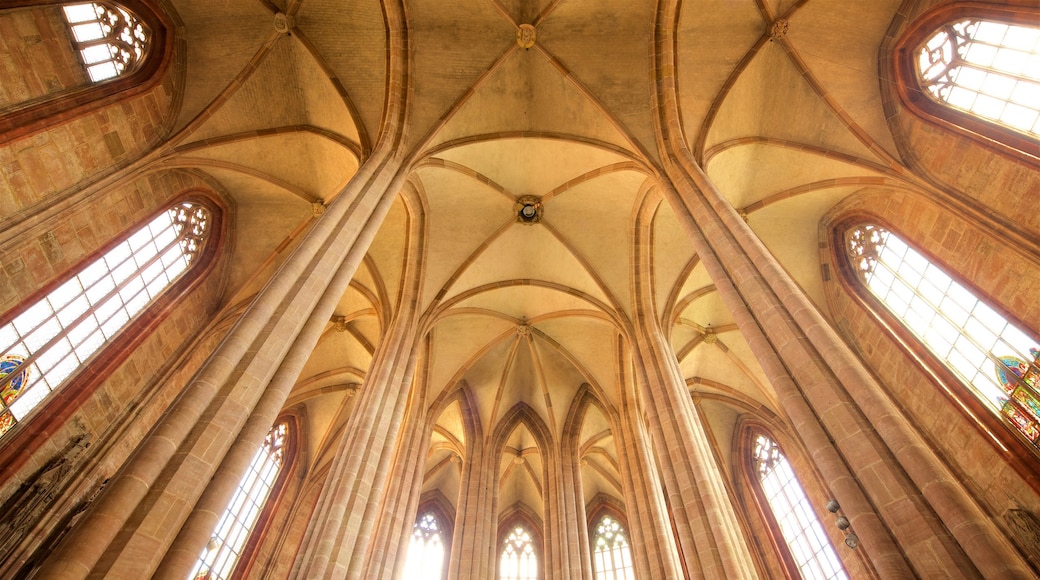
x=136, y=510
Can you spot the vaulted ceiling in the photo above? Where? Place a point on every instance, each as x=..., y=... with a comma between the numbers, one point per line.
x=786, y=124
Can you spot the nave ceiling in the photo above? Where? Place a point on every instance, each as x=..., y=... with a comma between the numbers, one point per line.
x=786, y=124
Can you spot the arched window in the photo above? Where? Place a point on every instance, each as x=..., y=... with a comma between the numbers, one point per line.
x=111, y=40
x=976, y=67
x=810, y=550
x=122, y=48
x=611, y=555
x=218, y=559
x=426, y=552
x=994, y=358
x=986, y=68
x=49, y=340
x=518, y=558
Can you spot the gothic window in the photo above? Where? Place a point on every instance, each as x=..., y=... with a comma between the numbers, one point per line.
x=110, y=39
x=975, y=67
x=994, y=358
x=92, y=54
x=49, y=340
x=218, y=559
x=987, y=68
x=811, y=550
x=611, y=555
x=426, y=552
x=518, y=559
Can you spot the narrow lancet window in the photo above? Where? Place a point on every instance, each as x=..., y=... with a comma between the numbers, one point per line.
x=810, y=548
x=426, y=550
x=110, y=39
x=994, y=358
x=218, y=559
x=50, y=339
x=611, y=555
x=518, y=559
x=986, y=68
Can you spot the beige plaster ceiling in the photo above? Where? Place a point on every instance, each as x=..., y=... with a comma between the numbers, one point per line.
x=518, y=314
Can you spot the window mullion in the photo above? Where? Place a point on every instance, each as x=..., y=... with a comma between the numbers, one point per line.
x=34, y=356
x=985, y=351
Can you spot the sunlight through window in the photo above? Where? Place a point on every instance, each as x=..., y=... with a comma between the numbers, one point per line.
x=218, y=558
x=518, y=560
x=611, y=556
x=49, y=341
x=426, y=551
x=111, y=40
x=990, y=69
x=995, y=358
x=810, y=548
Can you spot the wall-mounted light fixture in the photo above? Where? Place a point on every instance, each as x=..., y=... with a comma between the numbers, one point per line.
x=843, y=523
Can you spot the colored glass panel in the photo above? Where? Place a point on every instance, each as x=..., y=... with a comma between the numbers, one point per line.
x=53, y=337
x=994, y=358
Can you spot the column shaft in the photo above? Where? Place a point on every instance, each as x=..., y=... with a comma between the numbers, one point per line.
x=710, y=539
x=198, y=528
x=338, y=537
x=397, y=515
x=654, y=552
x=476, y=530
x=223, y=392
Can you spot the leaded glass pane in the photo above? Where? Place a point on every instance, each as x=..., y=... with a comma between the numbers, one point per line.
x=111, y=39
x=611, y=556
x=518, y=560
x=994, y=358
x=50, y=339
x=218, y=559
x=810, y=548
x=426, y=551
x=985, y=68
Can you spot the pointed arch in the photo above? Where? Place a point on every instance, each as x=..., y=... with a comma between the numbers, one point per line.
x=981, y=355
x=521, y=548
x=69, y=325
x=927, y=62
x=794, y=528
x=610, y=541
x=43, y=111
x=248, y=517
x=522, y=414
x=430, y=547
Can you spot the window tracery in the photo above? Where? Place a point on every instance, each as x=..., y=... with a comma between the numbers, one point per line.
x=611, y=554
x=426, y=551
x=49, y=341
x=111, y=40
x=972, y=68
x=518, y=559
x=810, y=548
x=994, y=358
x=218, y=559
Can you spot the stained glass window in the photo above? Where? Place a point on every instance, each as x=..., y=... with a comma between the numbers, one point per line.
x=990, y=69
x=49, y=341
x=993, y=357
x=426, y=551
x=218, y=559
x=111, y=40
x=810, y=548
x=518, y=559
x=611, y=555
